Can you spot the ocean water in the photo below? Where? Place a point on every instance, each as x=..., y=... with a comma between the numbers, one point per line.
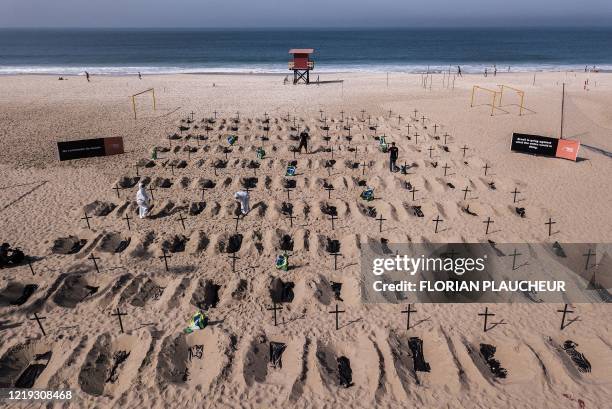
x=128, y=51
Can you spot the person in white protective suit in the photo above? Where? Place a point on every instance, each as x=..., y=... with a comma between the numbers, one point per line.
x=243, y=197
x=143, y=199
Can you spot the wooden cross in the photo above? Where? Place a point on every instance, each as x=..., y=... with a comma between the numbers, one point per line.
x=550, y=223
x=30, y=265
x=172, y=165
x=380, y=219
x=86, y=218
x=413, y=191
x=329, y=190
x=290, y=217
x=321, y=112
x=363, y=111
x=445, y=167
x=514, y=255
x=514, y=192
x=288, y=190
x=94, y=258
x=369, y=117
x=465, y=192
x=588, y=258
x=237, y=218
x=151, y=189
x=215, y=113
x=117, y=189
x=238, y=116
x=341, y=116
x=390, y=112
x=437, y=220
x=488, y=222
x=127, y=218
x=192, y=114
x=408, y=311
x=274, y=308
x=332, y=217
x=431, y=148
x=565, y=311
x=416, y=138
x=416, y=111
x=408, y=127
x=165, y=257
x=486, y=167
x=234, y=257
x=445, y=136
x=399, y=119
x=38, y=320
x=435, y=128
x=364, y=165
x=335, y=256
x=486, y=315
x=465, y=148
x=118, y=314
x=182, y=219
x=423, y=120
x=136, y=166
x=337, y=312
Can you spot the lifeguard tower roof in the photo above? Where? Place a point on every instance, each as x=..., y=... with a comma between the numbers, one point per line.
x=301, y=51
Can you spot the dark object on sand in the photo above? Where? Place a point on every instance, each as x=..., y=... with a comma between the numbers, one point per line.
x=280, y=291
x=276, y=354
x=558, y=250
x=118, y=359
x=10, y=256
x=416, y=347
x=520, y=211
x=468, y=211
x=416, y=210
x=336, y=288
x=33, y=371
x=345, y=373
x=488, y=352
x=578, y=358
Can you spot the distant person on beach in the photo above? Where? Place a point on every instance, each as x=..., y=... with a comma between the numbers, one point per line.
x=317, y=80
x=486, y=72
x=459, y=71
x=495, y=70
x=87, y=76
x=303, y=141
x=393, y=155
x=139, y=76
x=143, y=200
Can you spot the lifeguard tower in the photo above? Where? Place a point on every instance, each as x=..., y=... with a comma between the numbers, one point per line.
x=301, y=64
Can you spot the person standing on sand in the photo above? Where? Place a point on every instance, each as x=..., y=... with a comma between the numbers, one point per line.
x=242, y=197
x=139, y=76
x=494, y=70
x=87, y=76
x=393, y=155
x=486, y=72
x=143, y=200
x=459, y=71
x=303, y=141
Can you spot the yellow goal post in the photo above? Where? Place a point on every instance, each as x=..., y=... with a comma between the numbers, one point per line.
x=493, y=94
x=520, y=93
x=151, y=90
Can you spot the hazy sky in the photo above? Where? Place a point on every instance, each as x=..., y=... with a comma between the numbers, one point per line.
x=296, y=13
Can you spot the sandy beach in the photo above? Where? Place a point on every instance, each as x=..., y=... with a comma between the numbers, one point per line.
x=43, y=201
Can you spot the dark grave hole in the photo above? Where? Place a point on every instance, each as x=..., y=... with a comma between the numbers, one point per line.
x=232, y=245
x=99, y=208
x=329, y=210
x=289, y=183
x=292, y=163
x=351, y=165
x=577, y=358
x=332, y=246
x=196, y=208
x=190, y=148
x=327, y=185
x=370, y=211
x=418, y=358
x=162, y=182
x=280, y=291
x=206, y=184
x=240, y=290
x=249, y=182
x=330, y=163
x=16, y=293
x=32, y=372
x=449, y=184
x=162, y=149
x=185, y=182
x=253, y=165
x=74, y=289
x=206, y=296
x=176, y=149
x=488, y=352
x=362, y=183
x=276, y=354
x=68, y=245
x=145, y=163
x=416, y=210
x=114, y=243
x=174, y=136
x=148, y=291
x=220, y=164
x=286, y=243
x=126, y=182
x=175, y=244
x=118, y=358
x=345, y=373
x=287, y=208
x=336, y=289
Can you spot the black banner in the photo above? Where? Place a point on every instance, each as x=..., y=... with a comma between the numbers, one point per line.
x=534, y=144
x=87, y=148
